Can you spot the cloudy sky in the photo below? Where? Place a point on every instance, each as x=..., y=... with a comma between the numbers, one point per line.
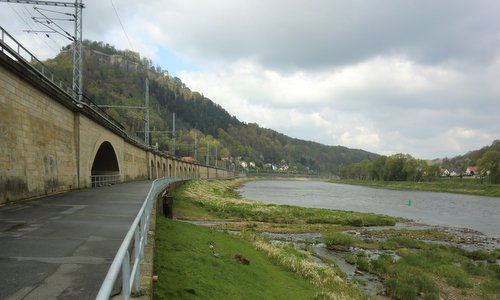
x=391, y=76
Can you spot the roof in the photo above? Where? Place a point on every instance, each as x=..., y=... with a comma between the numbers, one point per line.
x=188, y=158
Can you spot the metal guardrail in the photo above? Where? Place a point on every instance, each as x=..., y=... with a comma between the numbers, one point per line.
x=125, y=261
x=104, y=180
x=11, y=47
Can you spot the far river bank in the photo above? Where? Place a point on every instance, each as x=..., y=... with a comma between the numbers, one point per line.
x=479, y=213
x=456, y=185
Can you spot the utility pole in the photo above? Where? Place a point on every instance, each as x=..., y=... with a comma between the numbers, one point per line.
x=146, y=117
x=216, y=156
x=196, y=145
x=173, y=131
x=77, y=52
x=208, y=151
x=77, y=85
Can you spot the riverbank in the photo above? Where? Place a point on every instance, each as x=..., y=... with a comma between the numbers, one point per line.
x=382, y=261
x=468, y=186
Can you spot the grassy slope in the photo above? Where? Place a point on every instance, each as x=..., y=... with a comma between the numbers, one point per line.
x=424, y=269
x=188, y=269
x=447, y=185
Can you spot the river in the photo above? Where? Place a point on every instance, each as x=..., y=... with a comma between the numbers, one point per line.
x=444, y=209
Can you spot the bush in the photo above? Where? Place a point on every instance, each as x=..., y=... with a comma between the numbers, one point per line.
x=363, y=264
x=479, y=255
x=406, y=281
x=454, y=276
x=382, y=264
x=338, y=239
x=473, y=269
x=400, y=290
x=492, y=286
x=495, y=269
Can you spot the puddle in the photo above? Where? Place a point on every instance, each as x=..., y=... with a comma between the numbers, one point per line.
x=367, y=282
x=294, y=237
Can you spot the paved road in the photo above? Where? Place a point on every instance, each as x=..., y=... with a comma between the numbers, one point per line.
x=60, y=247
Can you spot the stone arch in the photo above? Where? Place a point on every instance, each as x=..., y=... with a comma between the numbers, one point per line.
x=105, y=169
x=164, y=173
x=152, y=174
x=170, y=170
x=158, y=169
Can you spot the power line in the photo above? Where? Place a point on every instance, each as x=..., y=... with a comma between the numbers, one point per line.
x=28, y=24
x=58, y=46
x=121, y=24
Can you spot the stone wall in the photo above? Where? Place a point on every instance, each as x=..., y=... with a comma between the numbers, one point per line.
x=49, y=142
x=37, y=153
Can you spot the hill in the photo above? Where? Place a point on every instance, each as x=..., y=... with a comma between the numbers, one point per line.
x=203, y=129
x=471, y=158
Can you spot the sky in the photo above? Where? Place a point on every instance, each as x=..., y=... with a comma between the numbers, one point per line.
x=391, y=76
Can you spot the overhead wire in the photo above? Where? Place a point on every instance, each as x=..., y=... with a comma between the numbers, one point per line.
x=121, y=24
x=29, y=25
x=54, y=41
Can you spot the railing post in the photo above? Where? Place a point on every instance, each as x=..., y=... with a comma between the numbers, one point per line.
x=143, y=228
x=138, y=234
x=137, y=258
x=126, y=276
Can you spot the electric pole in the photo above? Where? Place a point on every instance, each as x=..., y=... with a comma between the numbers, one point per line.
x=196, y=145
x=173, y=132
x=216, y=156
x=77, y=85
x=146, y=117
x=208, y=153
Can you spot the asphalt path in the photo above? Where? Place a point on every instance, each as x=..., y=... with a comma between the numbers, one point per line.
x=61, y=246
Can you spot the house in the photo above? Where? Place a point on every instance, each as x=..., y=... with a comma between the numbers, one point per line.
x=472, y=170
x=188, y=159
x=445, y=172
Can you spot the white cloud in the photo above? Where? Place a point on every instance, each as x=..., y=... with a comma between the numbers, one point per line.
x=386, y=105
x=402, y=76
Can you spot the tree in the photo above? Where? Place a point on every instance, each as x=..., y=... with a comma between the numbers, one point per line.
x=489, y=165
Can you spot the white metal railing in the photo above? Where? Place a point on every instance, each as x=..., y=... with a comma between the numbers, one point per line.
x=11, y=47
x=104, y=180
x=129, y=263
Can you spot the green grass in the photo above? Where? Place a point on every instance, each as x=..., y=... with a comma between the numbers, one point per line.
x=187, y=268
x=338, y=239
x=423, y=271
x=420, y=264
x=449, y=185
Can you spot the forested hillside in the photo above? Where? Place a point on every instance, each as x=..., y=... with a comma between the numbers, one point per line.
x=403, y=167
x=471, y=158
x=115, y=77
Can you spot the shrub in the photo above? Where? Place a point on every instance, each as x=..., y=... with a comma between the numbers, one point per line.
x=400, y=290
x=473, y=269
x=382, y=264
x=478, y=255
x=362, y=264
x=492, y=286
x=351, y=259
x=338, y=239
x=454, y=276
x=495, y=269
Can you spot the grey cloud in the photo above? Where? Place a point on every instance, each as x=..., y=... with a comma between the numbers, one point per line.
x=315, y=34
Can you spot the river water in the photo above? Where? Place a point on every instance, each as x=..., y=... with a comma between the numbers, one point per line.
x=444, y=209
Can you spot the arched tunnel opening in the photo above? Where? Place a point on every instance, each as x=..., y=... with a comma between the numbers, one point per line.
x=105, y=169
